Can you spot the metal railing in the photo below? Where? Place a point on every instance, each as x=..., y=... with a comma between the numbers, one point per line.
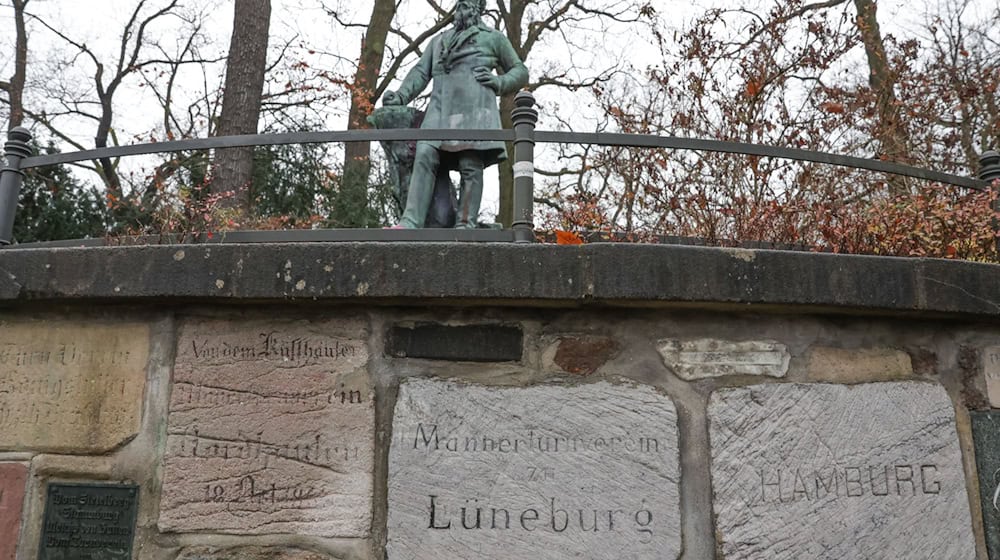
x=524, y=136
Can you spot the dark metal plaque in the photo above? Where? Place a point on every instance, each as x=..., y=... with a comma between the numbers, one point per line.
x=461, y=343
x=986, y=435
x=89, y=522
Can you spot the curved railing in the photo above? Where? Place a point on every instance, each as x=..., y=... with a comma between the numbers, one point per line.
x=524, y=136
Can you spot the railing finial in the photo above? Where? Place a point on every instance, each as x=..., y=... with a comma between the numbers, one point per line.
x=989, y=166
x=17, y=148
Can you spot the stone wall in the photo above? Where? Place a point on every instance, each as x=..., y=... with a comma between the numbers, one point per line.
x=365, y=402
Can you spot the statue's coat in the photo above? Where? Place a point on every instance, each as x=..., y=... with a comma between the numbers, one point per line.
x=457, y=100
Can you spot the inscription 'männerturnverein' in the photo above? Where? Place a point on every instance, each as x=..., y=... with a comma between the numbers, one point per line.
x=553, y=472
x=271, y=429
x=792, y=457
x=427, y=438
x=70, y=387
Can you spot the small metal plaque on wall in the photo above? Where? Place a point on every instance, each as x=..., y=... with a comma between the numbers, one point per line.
x=89, y=522
x=986, y=435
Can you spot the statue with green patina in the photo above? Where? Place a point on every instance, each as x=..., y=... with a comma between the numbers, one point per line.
x=461, y=61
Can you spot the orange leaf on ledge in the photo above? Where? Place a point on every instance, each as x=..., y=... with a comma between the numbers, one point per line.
x=568, y=238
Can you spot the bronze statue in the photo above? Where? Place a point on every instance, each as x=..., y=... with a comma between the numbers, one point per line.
x=461, y=62
x=400, y=156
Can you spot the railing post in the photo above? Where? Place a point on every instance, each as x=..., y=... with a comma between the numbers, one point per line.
x=525, y=118
x=11, y=177
x=989, y=170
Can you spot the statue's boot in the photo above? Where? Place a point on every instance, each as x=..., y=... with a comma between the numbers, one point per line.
x=470, y=166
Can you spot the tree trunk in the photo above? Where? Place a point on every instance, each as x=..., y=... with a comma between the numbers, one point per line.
x=506, y=215
x=512, y=22
x=890, y=130
x=106, y=167
x=16, y=90
x=233, y=168
x=351, y=207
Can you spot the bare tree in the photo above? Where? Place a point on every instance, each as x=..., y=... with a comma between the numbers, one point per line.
x=368, y=83
x=233, y=168
x=891, y=129
x=15, y=87
x=527, y=23
x=352, y=202
x=95, y=102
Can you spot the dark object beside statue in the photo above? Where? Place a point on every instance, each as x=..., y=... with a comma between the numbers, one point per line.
x=442, y=210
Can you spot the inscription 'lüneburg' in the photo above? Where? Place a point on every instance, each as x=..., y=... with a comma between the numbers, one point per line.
x=554, y=517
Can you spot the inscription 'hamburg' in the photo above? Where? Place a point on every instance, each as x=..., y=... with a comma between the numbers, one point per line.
x=787, y=485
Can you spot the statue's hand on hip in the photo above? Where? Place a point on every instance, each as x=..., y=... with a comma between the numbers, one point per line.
x=391, y=98
x=487, y=78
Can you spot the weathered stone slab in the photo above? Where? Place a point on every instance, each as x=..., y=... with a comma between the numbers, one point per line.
x=271, y=430
x=579, y=354
x=833, y=471
x=538, y=472
x=709, y=357
x=89, y=521
x=249, y=553
x=70, y=387
x=858, y=365
x=13, y=476
x=986, y=435
x=991, y=369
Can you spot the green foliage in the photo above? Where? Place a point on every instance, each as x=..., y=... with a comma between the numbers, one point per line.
x=292, y=181
x=53, y=205
x=350, y=207
x=296, y=186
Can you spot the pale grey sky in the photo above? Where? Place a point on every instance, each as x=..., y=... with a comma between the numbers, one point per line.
x=98, y=23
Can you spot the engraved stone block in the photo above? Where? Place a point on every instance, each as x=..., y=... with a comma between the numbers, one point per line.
x=986, y=434
x=991, y=369
x=70, y=387
x=89, y=521
x=708, y=357
x=551, y=472
x=12, y=479
x=271, y=430
x=834, y=471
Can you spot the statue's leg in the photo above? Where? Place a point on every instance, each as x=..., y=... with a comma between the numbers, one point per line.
x=425, y=167
x=470, y=166
x=441, y=213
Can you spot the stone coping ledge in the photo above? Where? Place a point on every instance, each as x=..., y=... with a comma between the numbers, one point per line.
x=498, y=274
